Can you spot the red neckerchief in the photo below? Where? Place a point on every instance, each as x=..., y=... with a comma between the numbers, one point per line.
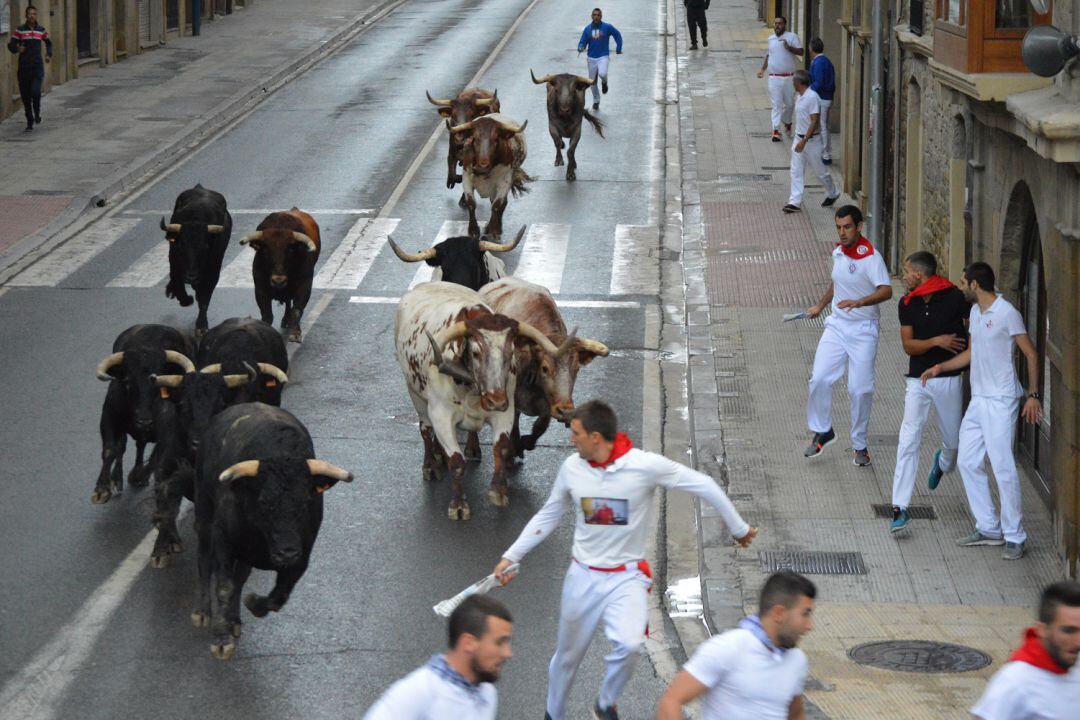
x=933, y=284
x=1033, y=652
x=621, y=447
x=861, y=249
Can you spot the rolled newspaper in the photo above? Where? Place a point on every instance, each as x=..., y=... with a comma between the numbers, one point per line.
x=488, y=584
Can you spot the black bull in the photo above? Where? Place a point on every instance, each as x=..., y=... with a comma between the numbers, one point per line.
x=566, y=108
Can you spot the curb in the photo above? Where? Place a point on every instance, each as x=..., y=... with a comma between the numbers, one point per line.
x=197, y=132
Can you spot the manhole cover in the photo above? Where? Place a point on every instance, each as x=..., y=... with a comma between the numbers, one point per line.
x=813, y=562
x=921, y=656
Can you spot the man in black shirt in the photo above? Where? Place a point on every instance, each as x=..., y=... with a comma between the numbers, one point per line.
x=26, y=42
x=932, y=329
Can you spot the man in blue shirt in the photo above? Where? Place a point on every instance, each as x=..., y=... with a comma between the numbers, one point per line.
x=823, y=82
x=597, y=37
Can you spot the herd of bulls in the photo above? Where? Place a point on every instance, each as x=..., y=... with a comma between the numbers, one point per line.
x=476, y=346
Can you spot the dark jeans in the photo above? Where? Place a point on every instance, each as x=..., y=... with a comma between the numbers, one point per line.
x=695, y=18
x=30, y=92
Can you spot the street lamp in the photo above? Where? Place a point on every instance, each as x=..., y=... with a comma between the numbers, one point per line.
x=1046, y=49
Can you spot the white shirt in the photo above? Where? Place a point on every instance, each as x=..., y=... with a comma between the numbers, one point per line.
x=807, y=104
x=746, y=681
x=430, y=693
x=782, y=60
x=992, y=371
x=856, y=278
x=1021, y=691
x=612, y=504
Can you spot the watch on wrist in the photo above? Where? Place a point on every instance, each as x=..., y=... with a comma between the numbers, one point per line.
x=1035, y=395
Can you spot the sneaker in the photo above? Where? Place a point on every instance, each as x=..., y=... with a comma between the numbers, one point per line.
x=704, y=41
x=29, y=128
x=830, y=201
x=596, y=106
x=776, y=136
x=789, y=208
x=977, y=538
x=826, y=161
x=37, y=119
x=819, y=442
x=787, y=129
x=862, y=458
x=693, y=46
x=603, y=86
x=1013, y=551
x=605, y=713
x=900, y=520
x=934, y=477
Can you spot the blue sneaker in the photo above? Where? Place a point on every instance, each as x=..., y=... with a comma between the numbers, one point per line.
x=934, y=478
x=900, y=520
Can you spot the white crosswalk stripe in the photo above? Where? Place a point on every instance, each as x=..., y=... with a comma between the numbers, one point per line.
x=449, y=229
x=346, y=267
x=148, y=270
x=237, y=273
x=64, y=260
x=633, y=270
x=543, y=255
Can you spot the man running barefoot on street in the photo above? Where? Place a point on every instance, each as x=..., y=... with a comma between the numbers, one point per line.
x=597, y=37
x=753, y=672
x=610, y=485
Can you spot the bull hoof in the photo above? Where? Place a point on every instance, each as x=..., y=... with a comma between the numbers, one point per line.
x=461, y=202
x=185, y=300
x=100, y=496
x=223, y=651
x=159, y=561
x=430, y=475
x=256, y=604
x=571, y=175
x=200, y=333
x=499, y=496
x=200, y=619
x=459, y=510
x=236, y=630
x=528, y=443
x=558, y=162
x=450, y=183
x=176, y=547
x=138, y=477
x=294, y=335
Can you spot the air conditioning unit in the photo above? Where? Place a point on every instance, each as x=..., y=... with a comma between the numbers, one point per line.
x=915, y=17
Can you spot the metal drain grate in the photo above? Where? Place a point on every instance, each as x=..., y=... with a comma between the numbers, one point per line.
x=775, y=167
x=744, y=177
x=917, y=512
x=920, y=656
x=812, y=562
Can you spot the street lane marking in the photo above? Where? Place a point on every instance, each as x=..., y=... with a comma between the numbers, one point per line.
x=346, y=267
x=449, y=229
x=237, y=273
x=599, y=304
x=148, y=270
x=53, y=268
x=261, y=211
x=544, y=255
x=633, y=270
x=374, y=300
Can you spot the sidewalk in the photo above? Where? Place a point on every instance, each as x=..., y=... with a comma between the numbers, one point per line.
x=748, y=398
x=104, y=131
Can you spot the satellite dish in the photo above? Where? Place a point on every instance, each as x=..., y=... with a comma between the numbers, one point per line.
x=1046, y=49
x=1040, y=6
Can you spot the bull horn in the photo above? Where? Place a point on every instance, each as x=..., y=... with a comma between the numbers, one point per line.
x=180, y=359
x=463, y=127
x=440, y=103
x=411, y=257
x=486, y=246
x=251, y=237
x=215, y=229
x=537, y=337
x=302, y=238
x=567, y=343
x=169, y=381
x=451, y=368
x=488, y=102
x=586, y=82
x=245, y=468
x=273, y=371
x=171, y=227
x=516, y=130
x=237, y=380
x=321, y=467
x=103, y=367
x=541, y=81
x=594, y=346
x=213, y=369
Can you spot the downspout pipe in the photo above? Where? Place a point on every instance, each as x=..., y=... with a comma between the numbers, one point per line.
x=196, y=17
x=877, y=122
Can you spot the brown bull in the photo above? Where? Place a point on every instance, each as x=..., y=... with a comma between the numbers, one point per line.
x=470, y=104
x=286, y=248
x=566, y=108
x=492, y=159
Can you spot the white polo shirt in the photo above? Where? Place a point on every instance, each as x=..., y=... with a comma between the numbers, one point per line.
x=782, y=60
x=746, y=680
x=1021, y=691
x=992, y=371
x=435, y=692
x=855, y=278
x=807, y=104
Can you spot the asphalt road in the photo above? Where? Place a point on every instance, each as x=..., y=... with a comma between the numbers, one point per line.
x=114, y=636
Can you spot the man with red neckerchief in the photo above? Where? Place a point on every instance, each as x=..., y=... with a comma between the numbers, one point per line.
x=860, y=282
x=1041, y=681
x=608, y=579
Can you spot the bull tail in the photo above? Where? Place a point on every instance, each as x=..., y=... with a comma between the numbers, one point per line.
x=520, y=178
x=597, y=123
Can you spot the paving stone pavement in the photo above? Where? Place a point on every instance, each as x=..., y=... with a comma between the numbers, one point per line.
x=748, y=264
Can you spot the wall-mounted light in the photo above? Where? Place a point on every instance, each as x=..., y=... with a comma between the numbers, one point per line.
x=1046, y=49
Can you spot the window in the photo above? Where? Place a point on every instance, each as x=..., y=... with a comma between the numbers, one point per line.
x=983, y=36
x=953, y=12
x=915, y=17
x=1012, y=14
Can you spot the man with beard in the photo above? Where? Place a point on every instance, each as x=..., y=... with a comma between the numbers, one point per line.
x=989, y=425
x=458, y=684
x=932, y=330
x=784, y=47
x=753, y=672
x=597, y=37
x=1041, y=681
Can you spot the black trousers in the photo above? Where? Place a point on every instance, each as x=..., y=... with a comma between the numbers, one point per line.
x=695, y=18
x=30, y=92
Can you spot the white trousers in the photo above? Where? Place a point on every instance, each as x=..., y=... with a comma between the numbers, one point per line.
x=810, y=155
x=826, y=141
x=597, y=66
x=988, y=431
x=782, y=96
x=853, y=342
x=589, y=597
x=946, y=395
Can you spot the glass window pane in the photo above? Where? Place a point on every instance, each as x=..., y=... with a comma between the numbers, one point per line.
x=954, y=11
x=1012, y=14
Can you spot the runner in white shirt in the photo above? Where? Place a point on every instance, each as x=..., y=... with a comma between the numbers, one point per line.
x=860, y=282
x=610, y=486
x=754, y=672
x=459, y=684
x=806, y=148
x=784, y=47
x=989, y=425
x=1041, y=681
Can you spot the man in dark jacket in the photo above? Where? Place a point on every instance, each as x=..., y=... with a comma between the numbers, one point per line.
x=26, y=42
x=695, y=18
